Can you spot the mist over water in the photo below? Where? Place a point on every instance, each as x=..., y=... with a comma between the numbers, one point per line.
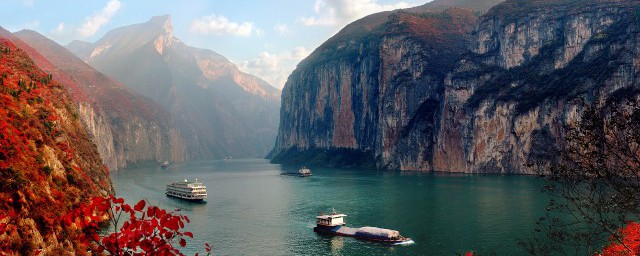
x=253, y=210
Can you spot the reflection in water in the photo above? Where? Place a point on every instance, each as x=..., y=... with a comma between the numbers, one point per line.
x=337, y=243
x=252, y=210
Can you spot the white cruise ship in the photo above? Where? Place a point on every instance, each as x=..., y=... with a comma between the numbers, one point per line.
x=188, y=190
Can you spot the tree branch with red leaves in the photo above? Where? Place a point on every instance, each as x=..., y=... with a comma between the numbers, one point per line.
x=146, y=229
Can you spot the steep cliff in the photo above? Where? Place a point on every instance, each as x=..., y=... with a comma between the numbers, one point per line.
x=360, y=89
x=48, y=164
x=533, y=66
x=127, y=128
x=438, y=95
x=219, y=110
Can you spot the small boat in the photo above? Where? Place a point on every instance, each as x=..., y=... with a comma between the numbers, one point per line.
x=334, y=224
x=188, y=190
x=304, y=172
x=164, y=165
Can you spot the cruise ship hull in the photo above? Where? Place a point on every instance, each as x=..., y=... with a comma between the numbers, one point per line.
x=186, y=198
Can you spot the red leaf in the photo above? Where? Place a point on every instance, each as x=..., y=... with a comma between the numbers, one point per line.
x=183, y=243
x=151, y=211
x=189, y=234
x=140, y=205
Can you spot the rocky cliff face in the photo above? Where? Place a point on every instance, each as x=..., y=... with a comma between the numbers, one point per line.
x=532, y=68
x=48, y=164
x=219, y=111
x=416, y=99
x=127, y=128
x=360, y=89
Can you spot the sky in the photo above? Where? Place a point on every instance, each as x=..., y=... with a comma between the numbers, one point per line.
x=266, y=38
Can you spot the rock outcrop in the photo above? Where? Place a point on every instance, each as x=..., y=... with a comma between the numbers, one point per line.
x=438, y=91
x=127, y=128
x=219, y=110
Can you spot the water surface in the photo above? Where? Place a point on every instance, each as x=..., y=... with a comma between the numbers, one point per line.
x=253, y=210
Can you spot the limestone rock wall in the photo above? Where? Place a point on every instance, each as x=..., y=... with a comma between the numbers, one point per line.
x=521, y=73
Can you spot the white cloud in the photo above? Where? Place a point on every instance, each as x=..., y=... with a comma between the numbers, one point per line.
x=281, y=29
x=275, y=68
x=93, y=23
x=341, y=12
x=63, y=33
x=220, y=25
x=59, y=29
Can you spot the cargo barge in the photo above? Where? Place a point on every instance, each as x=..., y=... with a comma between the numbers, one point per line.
x=303, y=172
x=334, y=224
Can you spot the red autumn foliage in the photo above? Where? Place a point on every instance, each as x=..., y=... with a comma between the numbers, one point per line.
x=49, y=167
x=86, y=85
x=630, y=238
x=48, y=164
x=146, y=229
x=443, y=30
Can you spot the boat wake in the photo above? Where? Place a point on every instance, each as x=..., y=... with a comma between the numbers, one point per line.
x=407, y=242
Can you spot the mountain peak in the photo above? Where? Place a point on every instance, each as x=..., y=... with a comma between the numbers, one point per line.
x=165, y=36
x=163, y=22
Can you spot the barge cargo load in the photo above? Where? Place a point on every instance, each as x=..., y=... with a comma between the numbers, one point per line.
x=334, y=224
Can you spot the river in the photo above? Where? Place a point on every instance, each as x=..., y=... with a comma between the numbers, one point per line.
x=253, y=210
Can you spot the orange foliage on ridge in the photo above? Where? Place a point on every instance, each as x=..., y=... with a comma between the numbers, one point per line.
x=48, y=165
x=86, y=85
x=442, y=28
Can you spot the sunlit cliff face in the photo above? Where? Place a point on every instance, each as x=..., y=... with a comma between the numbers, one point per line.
x=491, y=100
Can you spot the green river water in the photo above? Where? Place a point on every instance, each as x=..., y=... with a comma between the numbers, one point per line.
x=253, y=210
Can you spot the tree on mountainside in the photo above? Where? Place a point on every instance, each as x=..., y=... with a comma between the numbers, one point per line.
x=597, y=185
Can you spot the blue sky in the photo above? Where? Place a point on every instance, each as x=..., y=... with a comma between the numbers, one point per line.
x=265, y=38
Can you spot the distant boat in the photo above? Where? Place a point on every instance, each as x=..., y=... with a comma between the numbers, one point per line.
x=334, y=224
x=305, y=172
x=188, y=190
x=165, y=164
x=227, y=158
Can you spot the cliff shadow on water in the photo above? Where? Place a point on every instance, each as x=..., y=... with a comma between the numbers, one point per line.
x=332, y=157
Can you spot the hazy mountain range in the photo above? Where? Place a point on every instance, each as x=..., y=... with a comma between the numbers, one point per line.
x=219, y=110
